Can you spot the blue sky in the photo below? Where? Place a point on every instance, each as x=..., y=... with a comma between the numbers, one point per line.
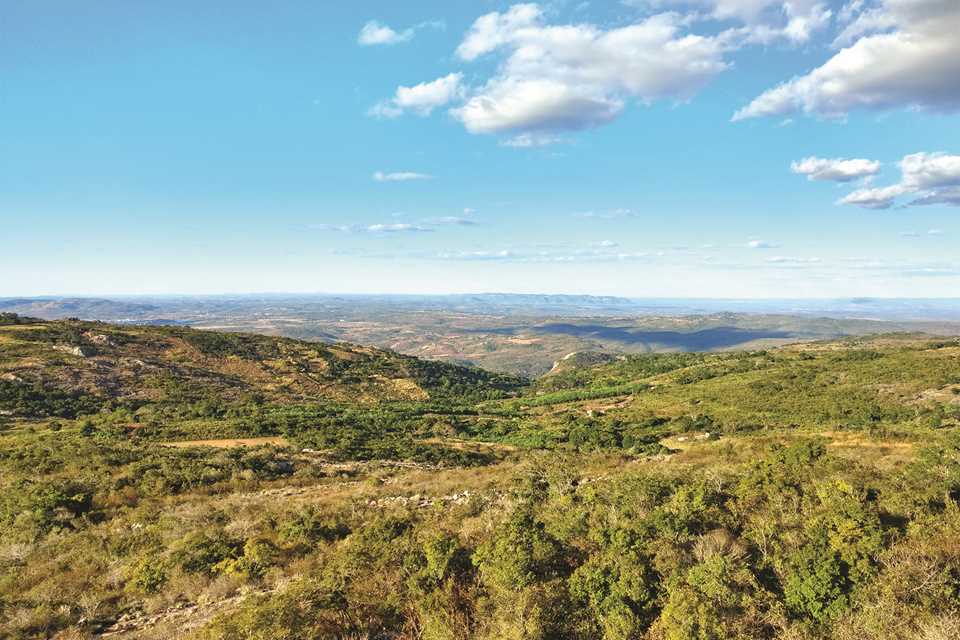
x=709, y=148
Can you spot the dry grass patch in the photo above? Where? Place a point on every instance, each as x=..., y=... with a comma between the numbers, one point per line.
x=229, y=443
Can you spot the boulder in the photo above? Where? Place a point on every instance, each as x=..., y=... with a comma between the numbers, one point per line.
x=83, y=352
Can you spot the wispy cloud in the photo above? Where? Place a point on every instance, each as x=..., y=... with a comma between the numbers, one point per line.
x=762, y=244
x=380, y=228
x=908, y=269
x=424, y=225
x=917, y=234
x=548, y=256
x=454, y=220
x=814, y=269
x=606, y=215
x=502, y=254
x=531, y=140
x=946, y=271
x=784, y=260
x=400, y=176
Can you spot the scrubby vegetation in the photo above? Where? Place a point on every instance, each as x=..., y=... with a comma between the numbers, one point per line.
x=803, y=492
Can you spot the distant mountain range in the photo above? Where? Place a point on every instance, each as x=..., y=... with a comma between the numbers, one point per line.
x=523, y=334
x=86, y=308
x=194, y=308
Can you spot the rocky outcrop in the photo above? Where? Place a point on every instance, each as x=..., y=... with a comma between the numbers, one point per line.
x=75, y=350
x=98, y=338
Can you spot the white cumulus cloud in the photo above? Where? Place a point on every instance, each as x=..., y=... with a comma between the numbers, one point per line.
x=933, y=177
x=763, y=21
x=949, y=196
x=878, y=198
x=930, y=170
x=422, y=98
x=374, y=33
x=496, y=29
x=554, y=78
x=835, y=169
x=572, y=77
x=901, y=53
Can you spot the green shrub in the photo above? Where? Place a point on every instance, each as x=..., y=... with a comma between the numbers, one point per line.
x=149, y=575
x=258, y=556
x=200, y=552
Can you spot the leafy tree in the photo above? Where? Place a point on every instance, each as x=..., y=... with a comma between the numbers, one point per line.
x=718, y=598
x=840, y=553
x=520, y=568
x=619, y=588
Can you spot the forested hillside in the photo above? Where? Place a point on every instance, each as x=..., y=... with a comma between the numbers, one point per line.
x=162, y=482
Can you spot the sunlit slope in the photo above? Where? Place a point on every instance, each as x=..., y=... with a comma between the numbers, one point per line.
x=885, y=382
x=67, y=368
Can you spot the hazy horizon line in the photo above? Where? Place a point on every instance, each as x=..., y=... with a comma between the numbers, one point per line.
x=107, y=296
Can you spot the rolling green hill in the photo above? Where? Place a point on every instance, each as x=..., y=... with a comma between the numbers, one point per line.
x=98, y=364
x=162, y=482
x=858, y=383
